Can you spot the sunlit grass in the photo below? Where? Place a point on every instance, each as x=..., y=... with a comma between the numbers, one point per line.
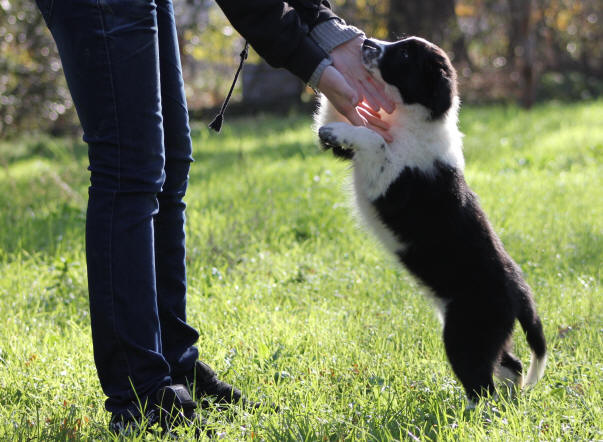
x=296, y=304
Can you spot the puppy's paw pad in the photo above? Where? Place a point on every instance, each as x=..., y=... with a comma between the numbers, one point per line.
x=338, y=134
x=332, y=135
x=327, y=137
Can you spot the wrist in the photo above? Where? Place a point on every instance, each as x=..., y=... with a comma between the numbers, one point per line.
x=316, y=76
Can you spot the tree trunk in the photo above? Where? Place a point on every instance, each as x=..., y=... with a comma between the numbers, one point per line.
x=425, y=18
x=434, y=20
x=522, y=47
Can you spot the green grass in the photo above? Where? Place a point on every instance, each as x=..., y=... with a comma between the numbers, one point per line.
x=296, y=304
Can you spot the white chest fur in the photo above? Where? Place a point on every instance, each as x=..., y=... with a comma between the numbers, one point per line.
x=418, y=144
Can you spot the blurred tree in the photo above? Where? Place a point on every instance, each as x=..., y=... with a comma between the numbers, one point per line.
x=571, y=35
x=209, y=48
x=521, y=50
x=435, y=20
x=522, y=46
x=368, y=15
x=33, y=93
x=432, y=19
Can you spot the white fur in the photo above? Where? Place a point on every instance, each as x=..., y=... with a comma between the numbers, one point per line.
x=536, y=370
x=369, y=217
x=440, y=306
x=508, y=377
x=418, y=143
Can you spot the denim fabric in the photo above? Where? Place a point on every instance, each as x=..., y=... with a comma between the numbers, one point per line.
x=122, y=65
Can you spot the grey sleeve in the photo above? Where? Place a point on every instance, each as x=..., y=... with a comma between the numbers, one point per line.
x=313, y=81
x=328, y=35
x=331, y=33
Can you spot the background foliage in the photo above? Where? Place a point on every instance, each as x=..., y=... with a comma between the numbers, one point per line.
x=524, y=50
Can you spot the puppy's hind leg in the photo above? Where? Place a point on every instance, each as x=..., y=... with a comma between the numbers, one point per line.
x=509, y=368
x=473, y=347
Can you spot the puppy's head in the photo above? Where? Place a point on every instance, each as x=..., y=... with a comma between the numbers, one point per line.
x=419, y=70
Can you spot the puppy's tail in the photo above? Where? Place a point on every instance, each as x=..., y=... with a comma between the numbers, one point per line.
x=532, y=326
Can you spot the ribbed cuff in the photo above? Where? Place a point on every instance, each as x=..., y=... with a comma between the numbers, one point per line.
x=315, y=78
x=331, y=33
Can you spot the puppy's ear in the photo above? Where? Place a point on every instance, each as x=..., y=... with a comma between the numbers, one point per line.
x=444, y=90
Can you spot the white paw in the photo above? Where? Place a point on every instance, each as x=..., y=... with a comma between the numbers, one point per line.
x=351, y=137
x=336, y=135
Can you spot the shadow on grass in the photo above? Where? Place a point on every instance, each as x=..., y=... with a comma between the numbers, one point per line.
x=207, y=164
x=42, y=232
x=43, y=146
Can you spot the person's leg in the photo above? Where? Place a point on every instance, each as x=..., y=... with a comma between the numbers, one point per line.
x=110, y=56
x=177, y=336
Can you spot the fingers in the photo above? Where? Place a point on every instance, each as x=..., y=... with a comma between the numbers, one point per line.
x=374, y=93
x=369, y=92
x=364, y=115
x=372, y=119
x=347, y=101
x=347, y=60
x=374, y=122
x=337, y=89
x=384, y=133
x=371, y=99
x=366, y=108
x=341, y=87
x=354, y=116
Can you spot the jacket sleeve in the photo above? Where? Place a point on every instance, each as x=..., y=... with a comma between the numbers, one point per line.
x=279, y=31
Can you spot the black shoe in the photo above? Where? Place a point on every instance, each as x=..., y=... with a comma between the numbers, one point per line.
x=173, y=407
x=128, y=424
x=203, y=382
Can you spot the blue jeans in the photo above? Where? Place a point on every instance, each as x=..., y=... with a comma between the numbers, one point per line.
x=122, y=65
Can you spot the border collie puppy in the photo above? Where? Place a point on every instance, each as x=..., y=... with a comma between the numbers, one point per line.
x=412, y=194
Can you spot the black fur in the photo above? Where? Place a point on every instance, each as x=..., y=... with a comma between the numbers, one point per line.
x=422, y=73
x=452, y=249
x=510, y=361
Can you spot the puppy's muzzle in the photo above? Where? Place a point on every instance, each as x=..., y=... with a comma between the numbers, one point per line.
x=371, y=53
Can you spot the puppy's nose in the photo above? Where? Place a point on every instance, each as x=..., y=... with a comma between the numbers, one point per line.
x=372, y=47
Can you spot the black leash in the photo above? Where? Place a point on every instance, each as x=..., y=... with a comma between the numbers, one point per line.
x=217, y=123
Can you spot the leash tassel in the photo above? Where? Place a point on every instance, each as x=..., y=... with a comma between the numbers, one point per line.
x=216, y=124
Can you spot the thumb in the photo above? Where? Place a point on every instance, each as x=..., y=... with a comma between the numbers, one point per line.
x=343, y=96
x=349, y=100
x=344, y=88
x=350, y=94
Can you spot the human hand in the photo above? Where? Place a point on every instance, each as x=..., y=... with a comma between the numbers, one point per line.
x=348, y=103
x=374, y=121
x=347, y=59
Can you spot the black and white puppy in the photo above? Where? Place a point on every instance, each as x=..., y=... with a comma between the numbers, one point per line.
x=412, y=194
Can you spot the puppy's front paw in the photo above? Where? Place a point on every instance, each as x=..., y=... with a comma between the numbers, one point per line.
x=327, y=138
x=332, y=136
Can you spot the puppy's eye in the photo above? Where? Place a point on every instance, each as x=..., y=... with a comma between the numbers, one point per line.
x=404, y=55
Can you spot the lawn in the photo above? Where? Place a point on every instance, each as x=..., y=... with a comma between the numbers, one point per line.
x=296, y=303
